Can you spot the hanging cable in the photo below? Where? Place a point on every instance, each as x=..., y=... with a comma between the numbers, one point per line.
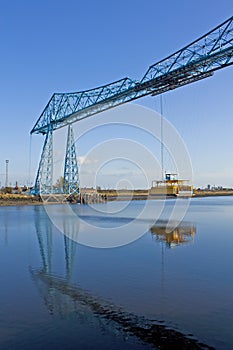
x=29, y=162
x=161, y=137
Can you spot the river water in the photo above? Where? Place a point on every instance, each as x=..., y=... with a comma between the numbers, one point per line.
x=107, y=277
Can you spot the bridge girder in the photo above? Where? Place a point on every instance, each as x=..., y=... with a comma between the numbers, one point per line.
x=196, y=61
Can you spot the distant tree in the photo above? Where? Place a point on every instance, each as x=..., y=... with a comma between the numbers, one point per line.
x=7, y=190
x=60, y=182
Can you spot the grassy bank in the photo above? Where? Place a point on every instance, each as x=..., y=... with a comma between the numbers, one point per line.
x=211, y=193
x=18, y=199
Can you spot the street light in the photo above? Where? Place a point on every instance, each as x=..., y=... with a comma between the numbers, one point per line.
x=7, y=163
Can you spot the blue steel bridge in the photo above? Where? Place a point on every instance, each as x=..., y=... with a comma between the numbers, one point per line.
x=196, y=61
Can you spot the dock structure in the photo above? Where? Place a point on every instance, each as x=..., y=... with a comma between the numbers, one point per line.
x=92, y=198
x=84, y=197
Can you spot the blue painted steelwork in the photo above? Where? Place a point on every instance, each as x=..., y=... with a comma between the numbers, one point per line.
x=69, y=105
x=44, y=178
x=194, y=62
x=212, y=51
x=71, y=176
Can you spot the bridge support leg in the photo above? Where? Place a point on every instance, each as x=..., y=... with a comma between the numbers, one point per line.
x=44, y=178
x=71, y=176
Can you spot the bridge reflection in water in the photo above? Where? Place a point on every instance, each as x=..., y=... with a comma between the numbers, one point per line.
x=62, y=296
x=172, y=234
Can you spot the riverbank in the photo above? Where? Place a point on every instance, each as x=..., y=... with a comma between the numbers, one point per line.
x=145, y=194
x=112, y=195
x=206, y=193
x=19, y=199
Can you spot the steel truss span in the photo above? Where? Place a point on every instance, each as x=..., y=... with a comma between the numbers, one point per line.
x=196, y=61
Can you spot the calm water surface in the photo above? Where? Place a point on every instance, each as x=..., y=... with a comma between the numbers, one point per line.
x=165, y=288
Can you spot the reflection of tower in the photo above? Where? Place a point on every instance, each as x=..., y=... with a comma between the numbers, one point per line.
x=46, y=277
x=44, y=235
x=44, y=229
x=61, y=296
x=70, y=228
x=7, y=163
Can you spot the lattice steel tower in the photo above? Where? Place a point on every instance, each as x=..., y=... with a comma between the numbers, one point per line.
x=71, y=176
x=44, y=178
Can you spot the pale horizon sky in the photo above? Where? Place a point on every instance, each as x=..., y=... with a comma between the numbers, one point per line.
x=64, y=46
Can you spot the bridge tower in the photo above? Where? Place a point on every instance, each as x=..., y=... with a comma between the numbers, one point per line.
x=71, y=176
x=44, y=177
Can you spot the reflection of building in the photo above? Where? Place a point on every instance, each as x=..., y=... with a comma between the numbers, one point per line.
x=171, y=186
x=183, y=233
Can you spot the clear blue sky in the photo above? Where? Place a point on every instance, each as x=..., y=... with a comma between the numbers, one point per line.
x=62, y=46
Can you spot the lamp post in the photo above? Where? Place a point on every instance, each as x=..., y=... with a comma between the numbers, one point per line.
x=7, y=163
